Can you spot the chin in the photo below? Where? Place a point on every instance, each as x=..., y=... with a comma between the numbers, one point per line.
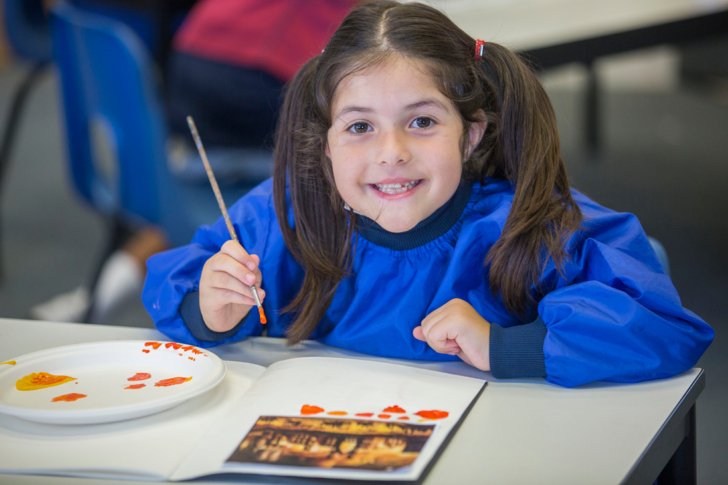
x=397, y=227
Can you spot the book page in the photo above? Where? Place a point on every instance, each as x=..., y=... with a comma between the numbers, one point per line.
x=151, y=446
x=336, y=418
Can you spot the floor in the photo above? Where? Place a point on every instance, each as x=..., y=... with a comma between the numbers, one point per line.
x=663, y=157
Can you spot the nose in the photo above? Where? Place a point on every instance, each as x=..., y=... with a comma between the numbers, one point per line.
x=394, y=148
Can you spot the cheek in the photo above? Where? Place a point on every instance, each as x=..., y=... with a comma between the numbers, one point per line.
x=344, y=178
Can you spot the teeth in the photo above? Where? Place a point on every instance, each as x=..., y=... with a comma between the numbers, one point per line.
x=396, y=188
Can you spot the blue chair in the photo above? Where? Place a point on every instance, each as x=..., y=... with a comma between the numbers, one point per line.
x=27, y=30
x=116, y=133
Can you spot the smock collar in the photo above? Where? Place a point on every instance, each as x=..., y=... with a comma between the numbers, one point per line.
x=428, y=230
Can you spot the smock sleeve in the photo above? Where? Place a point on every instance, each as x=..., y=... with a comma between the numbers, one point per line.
x=170, y=292
x=614, y=314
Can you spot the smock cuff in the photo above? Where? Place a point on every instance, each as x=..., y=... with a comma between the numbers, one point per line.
x=517, y=351
x=192, y=316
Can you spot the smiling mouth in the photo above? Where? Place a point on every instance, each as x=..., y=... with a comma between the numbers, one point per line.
x=394, y=189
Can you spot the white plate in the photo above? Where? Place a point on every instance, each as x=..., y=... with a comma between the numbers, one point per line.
x=101, y=371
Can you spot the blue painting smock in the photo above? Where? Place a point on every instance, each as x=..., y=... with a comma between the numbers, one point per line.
x=611, y=312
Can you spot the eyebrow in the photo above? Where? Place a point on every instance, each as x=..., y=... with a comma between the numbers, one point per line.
x=417, y=104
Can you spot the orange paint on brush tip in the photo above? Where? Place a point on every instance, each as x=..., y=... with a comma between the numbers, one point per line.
x=263, y=320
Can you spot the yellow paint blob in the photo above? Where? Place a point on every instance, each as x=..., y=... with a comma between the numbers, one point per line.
x=40, y=380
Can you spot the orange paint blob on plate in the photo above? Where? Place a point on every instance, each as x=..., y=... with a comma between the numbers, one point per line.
x=394, y=409
x=172, y=381
x=337, y=413
x=74, y=396
x=41, y=380
x=135, y=386
x=140, y=376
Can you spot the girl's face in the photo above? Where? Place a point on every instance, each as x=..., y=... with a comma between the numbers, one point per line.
x=395, y=143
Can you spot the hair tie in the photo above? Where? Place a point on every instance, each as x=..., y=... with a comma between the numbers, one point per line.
x=479, y=49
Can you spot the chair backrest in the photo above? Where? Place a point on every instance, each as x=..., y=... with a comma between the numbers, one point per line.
x=116, y=131
x=114, y=125
x=27, y=29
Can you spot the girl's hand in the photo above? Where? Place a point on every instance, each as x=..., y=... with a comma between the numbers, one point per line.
x=225, y=295
x=457, y=329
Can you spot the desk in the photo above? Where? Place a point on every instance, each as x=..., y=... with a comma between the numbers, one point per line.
x=519, y=431
x=558, y=32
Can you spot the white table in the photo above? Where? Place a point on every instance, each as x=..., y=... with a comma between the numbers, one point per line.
x=519, y=431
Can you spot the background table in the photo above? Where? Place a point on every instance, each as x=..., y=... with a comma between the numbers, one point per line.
x=558, y=32
x=519, y=431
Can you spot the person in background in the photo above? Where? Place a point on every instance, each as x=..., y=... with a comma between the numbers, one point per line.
x=420, y=209
x=229, y=63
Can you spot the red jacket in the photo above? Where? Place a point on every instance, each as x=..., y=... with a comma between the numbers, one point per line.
x=276, y=36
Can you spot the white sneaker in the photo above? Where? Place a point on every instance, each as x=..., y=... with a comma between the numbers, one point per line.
x=66, y=307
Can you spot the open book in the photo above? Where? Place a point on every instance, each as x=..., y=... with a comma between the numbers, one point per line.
x=325, y=417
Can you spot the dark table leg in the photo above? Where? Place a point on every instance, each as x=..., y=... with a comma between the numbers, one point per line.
x=682, y=468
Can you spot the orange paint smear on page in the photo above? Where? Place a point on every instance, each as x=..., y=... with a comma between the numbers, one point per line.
x=394, y=409
x=74, y=396
x=309, y=409
x=172, y=381
x=432, y=414
x=140, y=376
x=364, y=415
x=154, y=345
x=337, y=413
x=41, y=380
x=135, y=386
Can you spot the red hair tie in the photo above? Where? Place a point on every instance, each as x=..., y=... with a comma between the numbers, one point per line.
x=479, y=49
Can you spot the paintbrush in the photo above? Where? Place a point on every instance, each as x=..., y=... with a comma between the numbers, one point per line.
x=223, y=208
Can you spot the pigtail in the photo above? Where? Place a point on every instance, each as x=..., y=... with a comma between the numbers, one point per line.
x=524, y=148
x=320, y=237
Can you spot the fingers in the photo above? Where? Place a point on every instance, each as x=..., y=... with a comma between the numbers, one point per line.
x=439, y=333
x=241, y=265
x=457, y=329
x=225, y=286
x=228, y=275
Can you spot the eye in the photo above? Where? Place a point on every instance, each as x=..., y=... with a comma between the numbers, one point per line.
x=359, y=127
x=422, y=122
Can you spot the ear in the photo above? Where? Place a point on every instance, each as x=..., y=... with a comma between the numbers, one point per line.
x=475, y=132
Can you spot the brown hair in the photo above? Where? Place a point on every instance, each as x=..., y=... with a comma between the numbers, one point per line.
x=520, y=144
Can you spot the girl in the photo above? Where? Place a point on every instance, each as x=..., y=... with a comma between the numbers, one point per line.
x=420, y=209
